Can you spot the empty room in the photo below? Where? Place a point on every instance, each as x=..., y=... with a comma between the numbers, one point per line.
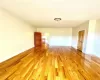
x=49, y=40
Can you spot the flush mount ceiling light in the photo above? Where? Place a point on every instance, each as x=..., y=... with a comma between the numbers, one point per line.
x=57, y=19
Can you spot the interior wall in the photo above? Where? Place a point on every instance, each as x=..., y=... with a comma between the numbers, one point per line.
x=75, y=31
x=93, y=43
x=91, y=37
x=57, y=36
x=15, y=36
x=96, y=46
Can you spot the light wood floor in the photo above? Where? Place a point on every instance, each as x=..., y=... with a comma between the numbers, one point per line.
x=56, y=63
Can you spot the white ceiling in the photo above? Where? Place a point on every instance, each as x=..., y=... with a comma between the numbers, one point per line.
x=41, y=13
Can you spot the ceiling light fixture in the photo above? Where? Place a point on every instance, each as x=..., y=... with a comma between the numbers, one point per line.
x=57, y=19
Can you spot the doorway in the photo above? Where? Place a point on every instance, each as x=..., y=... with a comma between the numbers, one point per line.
x=80, y=40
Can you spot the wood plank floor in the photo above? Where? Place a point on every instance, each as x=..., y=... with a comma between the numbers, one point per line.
x=56, y=63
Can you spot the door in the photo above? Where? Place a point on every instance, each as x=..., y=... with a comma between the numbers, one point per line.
x=37, y=39
x=80, y=40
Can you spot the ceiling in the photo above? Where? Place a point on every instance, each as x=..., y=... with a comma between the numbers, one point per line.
x=41, y=13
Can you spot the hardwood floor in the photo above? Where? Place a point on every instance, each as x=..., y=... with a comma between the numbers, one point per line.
x=56, y=63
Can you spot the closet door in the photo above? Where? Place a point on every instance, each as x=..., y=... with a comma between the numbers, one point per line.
x=37, y=39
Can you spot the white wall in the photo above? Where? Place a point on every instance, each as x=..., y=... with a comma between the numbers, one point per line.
x=94, y=38
x=91, y=37
x=15, y=36
x=58, y=36
x=75, y=31
x=97, y=39
x=93, y=42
